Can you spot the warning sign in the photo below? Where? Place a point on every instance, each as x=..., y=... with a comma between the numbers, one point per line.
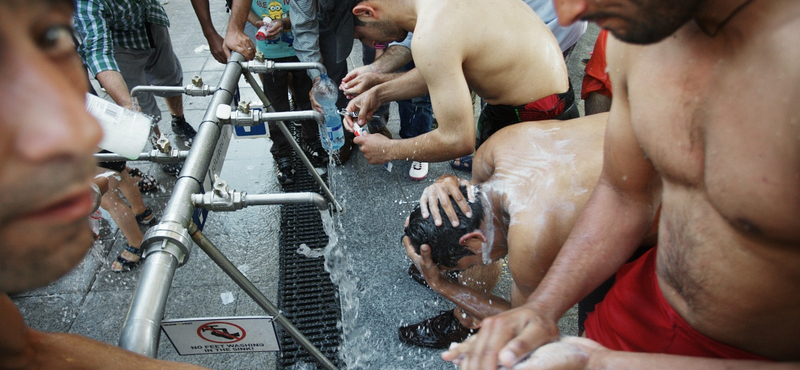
x=222, y=334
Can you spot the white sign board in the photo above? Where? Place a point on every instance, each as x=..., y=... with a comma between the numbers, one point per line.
x=222, y=334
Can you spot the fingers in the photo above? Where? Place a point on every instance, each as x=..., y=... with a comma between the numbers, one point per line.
x=410, y=251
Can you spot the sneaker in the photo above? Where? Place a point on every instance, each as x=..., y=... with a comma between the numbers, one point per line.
x=436, y=332
x=418, y=171
x=183, y=129
x=316, y=153
x=285, y=171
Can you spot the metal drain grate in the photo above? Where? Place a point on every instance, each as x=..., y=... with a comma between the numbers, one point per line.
x=307, y=296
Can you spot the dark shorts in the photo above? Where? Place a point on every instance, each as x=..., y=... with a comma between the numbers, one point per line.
x=495, y=117
x=635, y=317
x=118, y=166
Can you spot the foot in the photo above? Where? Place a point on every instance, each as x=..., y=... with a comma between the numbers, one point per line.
x=147, y=184
x=415, y=274
x=462, y=164
x=418, y=171
x=316, y=153
x=183, y=129
x=436, y=332
x=129, y=259
x=285, y=170
x=146, y=218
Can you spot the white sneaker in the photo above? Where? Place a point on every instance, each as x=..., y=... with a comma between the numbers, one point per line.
x=418, y=171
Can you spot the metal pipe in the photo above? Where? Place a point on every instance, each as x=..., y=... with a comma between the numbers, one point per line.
x=236, y=200
x=267, y=66
x=154, y=156
x=142, y=325
x=277, y=117
x=226, y=265
x=192, y=90
x=167, y=244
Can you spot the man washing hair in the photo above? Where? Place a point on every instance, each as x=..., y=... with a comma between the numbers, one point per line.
x=534, y=178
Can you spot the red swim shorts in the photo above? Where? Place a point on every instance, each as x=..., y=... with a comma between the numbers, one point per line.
x=635, y=317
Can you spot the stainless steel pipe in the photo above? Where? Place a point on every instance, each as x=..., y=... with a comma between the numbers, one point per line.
x=167, y=244
x=235, y=200
x=154, y=156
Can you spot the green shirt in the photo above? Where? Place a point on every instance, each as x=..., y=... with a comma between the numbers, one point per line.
x=102, y=24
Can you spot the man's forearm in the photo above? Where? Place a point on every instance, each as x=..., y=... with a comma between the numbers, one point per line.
x=203, y=12
x=60, y=351
x=406, y=86
x=435, y=146
x=240, y=10
x=609, y=230
x=116, y=87
x=475, y=302
x=394, y=58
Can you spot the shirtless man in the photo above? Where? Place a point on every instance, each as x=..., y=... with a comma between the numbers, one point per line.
x=46, y=144
x=534, y=179
x=506, y=54
x=722, y=160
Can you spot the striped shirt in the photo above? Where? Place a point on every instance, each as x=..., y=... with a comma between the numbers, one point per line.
x=103, y=24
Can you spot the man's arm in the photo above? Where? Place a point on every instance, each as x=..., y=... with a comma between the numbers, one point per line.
x=613, y=223
x=585, y=354
x=97, y=50
x=24, y=348
x=116, y=87
x=215, y=41
x=380, y=71
x=477, y=303
x=305, y=27
x=235, y=39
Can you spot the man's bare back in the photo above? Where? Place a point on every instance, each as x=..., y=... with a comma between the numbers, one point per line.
x=729, y=239
x=508, y=55
x=501, y=50
x=539, y=174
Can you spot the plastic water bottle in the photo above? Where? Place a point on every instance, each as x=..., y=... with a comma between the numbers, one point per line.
x=326, y=94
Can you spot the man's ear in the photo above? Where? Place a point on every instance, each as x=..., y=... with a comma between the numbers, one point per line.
x=473, y=240
x=365, y=9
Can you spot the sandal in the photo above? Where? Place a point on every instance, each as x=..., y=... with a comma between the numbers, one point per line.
x=146, y=218
x=462, y=164
x=124, y=265
x=147, y=184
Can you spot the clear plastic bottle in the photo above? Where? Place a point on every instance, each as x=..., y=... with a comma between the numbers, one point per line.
x=326, y=94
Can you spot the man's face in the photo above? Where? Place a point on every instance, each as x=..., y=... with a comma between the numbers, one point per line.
x=633, y=21
x=370, y=31
x=46, y=145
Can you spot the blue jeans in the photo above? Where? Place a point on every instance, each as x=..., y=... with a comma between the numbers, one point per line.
x=416, y=115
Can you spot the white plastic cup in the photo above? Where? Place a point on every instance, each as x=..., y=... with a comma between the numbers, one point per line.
x=125, y=132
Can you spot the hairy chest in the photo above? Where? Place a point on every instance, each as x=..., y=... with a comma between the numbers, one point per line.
x=725, y=124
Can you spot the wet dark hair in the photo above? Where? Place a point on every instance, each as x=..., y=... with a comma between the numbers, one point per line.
x=444, y=240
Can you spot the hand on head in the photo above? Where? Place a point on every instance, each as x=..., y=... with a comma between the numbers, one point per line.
x=440, y=192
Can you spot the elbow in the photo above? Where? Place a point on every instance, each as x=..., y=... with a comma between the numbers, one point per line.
x=462, y=145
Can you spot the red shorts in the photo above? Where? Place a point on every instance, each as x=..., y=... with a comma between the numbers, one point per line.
x=635, y=317
x=596, y=77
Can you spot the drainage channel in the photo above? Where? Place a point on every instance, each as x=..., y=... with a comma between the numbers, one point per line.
x=307, y=296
